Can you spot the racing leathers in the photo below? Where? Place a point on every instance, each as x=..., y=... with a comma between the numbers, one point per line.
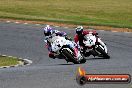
x=48, y=42
x=80, y=38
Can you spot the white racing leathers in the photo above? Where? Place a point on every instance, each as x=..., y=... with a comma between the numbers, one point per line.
x=68, y=49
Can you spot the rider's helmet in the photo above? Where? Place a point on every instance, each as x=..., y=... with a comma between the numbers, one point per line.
x=79, y=30
x=48, y=31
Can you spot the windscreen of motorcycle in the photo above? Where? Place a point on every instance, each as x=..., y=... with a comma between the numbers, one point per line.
x=57, y=43
x=89, y=40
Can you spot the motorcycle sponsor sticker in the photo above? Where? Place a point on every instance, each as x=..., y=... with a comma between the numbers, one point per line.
x=83, y=78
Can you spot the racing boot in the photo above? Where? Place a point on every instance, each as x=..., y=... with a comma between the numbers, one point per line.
x=83, y=51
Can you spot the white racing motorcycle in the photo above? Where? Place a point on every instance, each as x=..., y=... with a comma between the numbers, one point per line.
x=96, y=46
x=67, y=49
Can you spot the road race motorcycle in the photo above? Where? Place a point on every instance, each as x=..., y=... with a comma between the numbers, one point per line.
x=67, y=49
x=96, y=46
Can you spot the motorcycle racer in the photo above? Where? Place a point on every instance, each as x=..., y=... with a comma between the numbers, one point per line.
x=79, y=37
x=49, y=32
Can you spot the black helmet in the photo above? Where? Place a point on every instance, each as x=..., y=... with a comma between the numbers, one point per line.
x=79, y=30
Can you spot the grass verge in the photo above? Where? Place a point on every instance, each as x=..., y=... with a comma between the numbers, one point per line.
x=115, y=13
x=8, y=61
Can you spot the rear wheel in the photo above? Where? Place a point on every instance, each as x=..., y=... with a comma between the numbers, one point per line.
x=70, y=57
x=104, y=54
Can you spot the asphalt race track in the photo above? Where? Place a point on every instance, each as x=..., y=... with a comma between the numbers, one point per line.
x=26, y=41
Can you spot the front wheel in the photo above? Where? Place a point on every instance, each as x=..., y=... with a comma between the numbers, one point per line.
x=103, y=53
x=69, y=56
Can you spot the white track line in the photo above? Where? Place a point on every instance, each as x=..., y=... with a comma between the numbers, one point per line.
x=25, y=23
x=65, y=27
x=114, y=31
x=37, y=24
x=8, y=21
x=101, y=30
x=57, y=26
x=17, y=22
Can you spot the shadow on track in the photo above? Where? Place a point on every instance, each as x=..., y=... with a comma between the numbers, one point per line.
x=95, y=58
x=65, y=64
x=87, y=59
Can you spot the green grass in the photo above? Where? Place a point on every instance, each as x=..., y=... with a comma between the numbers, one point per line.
x=117, y=13
x=7, y=61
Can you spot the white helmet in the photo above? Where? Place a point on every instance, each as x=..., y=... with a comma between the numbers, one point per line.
x=79, y=30
x=48, y=30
